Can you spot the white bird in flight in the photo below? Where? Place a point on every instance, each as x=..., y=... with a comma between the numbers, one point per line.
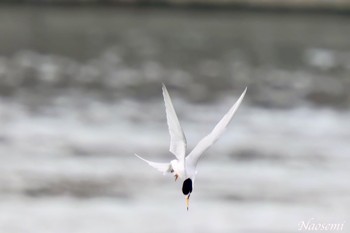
x=185, y=167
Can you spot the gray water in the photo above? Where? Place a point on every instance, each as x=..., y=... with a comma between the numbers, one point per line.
x=81, y=93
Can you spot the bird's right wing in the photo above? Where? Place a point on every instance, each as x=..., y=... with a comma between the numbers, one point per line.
x=162, y=167
x=207, y=141
x=177, y=136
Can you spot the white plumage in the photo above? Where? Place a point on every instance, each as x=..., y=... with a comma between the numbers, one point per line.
x=185, y=167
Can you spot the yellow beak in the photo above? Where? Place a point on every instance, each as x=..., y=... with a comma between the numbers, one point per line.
x=187, y=201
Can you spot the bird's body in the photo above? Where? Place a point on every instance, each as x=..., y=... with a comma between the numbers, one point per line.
x=185, y=167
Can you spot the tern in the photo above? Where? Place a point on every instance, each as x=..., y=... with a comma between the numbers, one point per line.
x=185, y=167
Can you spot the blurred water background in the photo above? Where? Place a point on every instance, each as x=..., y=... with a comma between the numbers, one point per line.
x=80, y=93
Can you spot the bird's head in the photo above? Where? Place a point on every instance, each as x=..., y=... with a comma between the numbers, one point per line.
x=187, y=190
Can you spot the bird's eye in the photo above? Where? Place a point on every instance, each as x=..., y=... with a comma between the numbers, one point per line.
x=187, y=186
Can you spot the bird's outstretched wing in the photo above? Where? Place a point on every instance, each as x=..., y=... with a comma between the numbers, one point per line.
x=162, y=167
x=207, y=141
x=177, y=137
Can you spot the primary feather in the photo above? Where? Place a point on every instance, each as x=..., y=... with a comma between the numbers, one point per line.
x=193, y=158
x=177, y=136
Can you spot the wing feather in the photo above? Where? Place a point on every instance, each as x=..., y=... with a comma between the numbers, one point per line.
x=177, y=137
x=193, y=158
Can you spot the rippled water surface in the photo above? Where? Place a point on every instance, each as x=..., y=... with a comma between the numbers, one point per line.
x=80, y=93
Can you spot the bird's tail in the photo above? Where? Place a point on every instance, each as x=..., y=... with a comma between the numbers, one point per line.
x=162, y=167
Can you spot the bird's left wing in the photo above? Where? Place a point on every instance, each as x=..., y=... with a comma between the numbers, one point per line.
x=207, y=141
x=162, y=167
x=177, y=136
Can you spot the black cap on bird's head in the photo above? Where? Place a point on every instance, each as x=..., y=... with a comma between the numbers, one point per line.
x=187, y=186
x=187, y=190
